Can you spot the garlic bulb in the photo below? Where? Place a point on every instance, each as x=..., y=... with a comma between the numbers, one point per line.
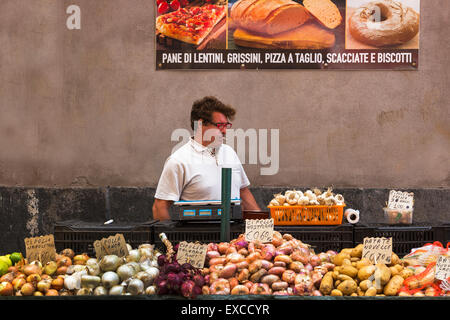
x=274, y=203
x=303, y=201
x=280, y=198
x=339, y=199
x=292, y=198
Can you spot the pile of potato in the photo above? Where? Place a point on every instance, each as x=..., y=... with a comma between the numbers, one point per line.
x=357, y=276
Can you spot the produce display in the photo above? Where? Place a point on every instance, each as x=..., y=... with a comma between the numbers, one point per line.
x=80, y=274
x=285, y=266
x=356, y=276
x=313, y=197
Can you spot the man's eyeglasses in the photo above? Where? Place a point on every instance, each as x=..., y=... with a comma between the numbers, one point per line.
x=222, y=125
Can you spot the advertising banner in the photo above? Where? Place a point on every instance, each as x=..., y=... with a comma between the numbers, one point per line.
x=287, y=34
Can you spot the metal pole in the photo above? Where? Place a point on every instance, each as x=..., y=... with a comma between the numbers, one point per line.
x=226, y=205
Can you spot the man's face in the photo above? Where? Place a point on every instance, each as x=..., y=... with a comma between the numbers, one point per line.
x=216, y=131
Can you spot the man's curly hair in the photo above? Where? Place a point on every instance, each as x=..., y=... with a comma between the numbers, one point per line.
x=203, y=109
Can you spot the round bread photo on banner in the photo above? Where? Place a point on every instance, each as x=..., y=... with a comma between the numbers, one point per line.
x=286, y=24
x=382, y=24
x=191, y=24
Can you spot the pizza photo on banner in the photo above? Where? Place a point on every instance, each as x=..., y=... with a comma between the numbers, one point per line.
x=287, y=34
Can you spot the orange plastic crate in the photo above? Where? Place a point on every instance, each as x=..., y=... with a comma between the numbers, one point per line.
x=306, y=215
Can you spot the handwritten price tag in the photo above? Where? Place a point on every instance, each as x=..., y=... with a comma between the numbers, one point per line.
x=442, y=268
x=378, y=250
x=401, y=200
x=259, y=229
x=40, y=248
x=112, y=245
x=193, y=253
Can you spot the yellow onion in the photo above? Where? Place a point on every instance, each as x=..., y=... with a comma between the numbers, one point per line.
x=18, y=283
x=34, y=278
x=68, y=253
x=64, y=262
x=80, y=259
x=44, y=285
x=57, y=283
x=27, y=289
x=33, y=267
x=6, y=289
x=50, y=267
x=38, y=294
x=52, y=292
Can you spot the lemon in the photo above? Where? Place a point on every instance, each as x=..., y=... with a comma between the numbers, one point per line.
x=6, y=260
x=16, y=257
x=3, y=268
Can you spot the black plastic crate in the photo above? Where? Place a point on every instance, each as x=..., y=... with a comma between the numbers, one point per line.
x=205, y=232
x=404, y=238
x=80, y=236
x=446, y=234
x=322, y=238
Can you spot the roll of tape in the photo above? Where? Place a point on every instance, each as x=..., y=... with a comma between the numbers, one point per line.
x=352, y=216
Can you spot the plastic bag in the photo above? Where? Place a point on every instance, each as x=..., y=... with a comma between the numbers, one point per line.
x=426, y=255
x=423, y=260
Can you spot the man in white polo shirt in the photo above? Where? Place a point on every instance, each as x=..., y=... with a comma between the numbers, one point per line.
x=194, y=171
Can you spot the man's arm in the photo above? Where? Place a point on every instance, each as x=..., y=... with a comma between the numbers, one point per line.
x=161, y=209
x=248, y=201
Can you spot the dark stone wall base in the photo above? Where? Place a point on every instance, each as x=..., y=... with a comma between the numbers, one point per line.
x=30, y=211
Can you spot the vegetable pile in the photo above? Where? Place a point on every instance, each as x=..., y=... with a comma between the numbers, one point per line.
x=313, y=197
x=285, y=266
x=177, y=279
x=357, y=276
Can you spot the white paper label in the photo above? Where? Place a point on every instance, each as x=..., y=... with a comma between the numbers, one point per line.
x=401, y=200
x=442, y=268
x=259, y=229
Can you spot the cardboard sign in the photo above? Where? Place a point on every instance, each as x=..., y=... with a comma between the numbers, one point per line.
x=378, y=250
x=40, y=248
x=259, y=229
x=442, y=268
x=193, y=253
x=401, y=200
x=112, y=245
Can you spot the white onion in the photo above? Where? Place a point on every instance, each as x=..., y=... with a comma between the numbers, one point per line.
x=117, y=290
x=133, y=255
x=125, y=272
x=110, y=263
x=129, y=247
x=84, y=292
x=110, y=279
x=135, y=286
x=93, y=269
x=91, y=282
x=150, y=290
x=146, y=277
x=91, y=261
x=100, y=291
x=72, y=282
x=135, y=266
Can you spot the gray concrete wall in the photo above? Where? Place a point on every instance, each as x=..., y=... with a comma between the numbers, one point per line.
x=86, y=108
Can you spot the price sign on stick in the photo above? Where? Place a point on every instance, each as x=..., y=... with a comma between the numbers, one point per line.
x=112, y=245
x=193, y=253
x=442, y=268
x=40, y=248
x=259, y=229
x=378, y=250
x=401, y=200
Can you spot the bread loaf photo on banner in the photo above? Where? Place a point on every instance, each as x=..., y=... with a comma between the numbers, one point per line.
x=285, y=24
